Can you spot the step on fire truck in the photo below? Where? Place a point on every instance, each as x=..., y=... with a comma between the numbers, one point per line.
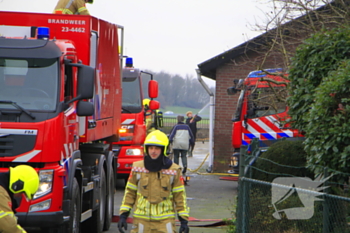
x=133, y=129
x=60, y=107
x=261, y=111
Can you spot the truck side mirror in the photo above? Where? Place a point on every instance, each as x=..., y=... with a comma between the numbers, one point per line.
x=154, y=105
x=237, y=86
x=85, y=108
x=153, y=89
x=232, y=90
x=251, y=112
x=86, y=82
x=86, y=78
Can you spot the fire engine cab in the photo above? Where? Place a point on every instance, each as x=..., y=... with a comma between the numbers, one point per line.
x=133, y=129
x=261, y=111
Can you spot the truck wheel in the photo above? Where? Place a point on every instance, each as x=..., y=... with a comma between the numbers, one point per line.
x=109, y=200
x=75, y=209
x=96, y=222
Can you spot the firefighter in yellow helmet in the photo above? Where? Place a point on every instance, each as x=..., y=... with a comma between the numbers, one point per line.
x=149, y=116
x=145, y=103
x=20, y=180
x=72, y=7
x=155, y=190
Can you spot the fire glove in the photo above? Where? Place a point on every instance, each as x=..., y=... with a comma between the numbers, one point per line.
x=183, y=227
x=122, y=222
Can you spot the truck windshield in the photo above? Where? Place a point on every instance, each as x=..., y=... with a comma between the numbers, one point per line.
x=266, y=101
x=132, y=102
x=31, y=83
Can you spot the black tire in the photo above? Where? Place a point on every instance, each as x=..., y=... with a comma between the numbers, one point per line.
x=75, y=209
x=109, y=209
x=96, y=222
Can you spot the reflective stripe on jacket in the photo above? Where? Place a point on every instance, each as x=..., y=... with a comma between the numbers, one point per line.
x=71, y=7
x=8, y=221
x=155, y=195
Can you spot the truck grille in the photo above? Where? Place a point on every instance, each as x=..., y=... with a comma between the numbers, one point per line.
x=12, y=145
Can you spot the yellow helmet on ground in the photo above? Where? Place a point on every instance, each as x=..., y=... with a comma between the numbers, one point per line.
x=157, y=138
x=24, y=178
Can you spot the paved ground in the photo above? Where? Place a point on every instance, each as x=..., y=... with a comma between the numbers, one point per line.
x=209, y=198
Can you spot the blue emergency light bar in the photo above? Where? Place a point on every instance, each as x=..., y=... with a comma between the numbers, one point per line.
x=260, y=73
x=129, y=62
x=43, y=33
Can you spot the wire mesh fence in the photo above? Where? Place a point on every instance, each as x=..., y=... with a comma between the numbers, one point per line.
x=285, y=203
x=171, y=121
x=202, y=127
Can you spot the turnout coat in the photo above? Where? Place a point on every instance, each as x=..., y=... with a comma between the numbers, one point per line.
x=155, y=195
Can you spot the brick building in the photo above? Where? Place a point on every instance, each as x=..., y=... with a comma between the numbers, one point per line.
x=252, y=55
x=223, y=69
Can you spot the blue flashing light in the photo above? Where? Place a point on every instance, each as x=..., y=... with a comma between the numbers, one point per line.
x=43, y=33
x=129, y=62
x=259, y=73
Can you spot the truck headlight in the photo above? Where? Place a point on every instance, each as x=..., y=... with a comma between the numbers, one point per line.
x=133, y=152
x=45, y=185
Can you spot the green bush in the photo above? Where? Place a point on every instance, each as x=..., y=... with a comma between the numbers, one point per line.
x=283, y=157
x=319, y=98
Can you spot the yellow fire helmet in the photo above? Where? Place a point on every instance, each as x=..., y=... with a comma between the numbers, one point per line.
x=157, y=138
x=24, y=178
x=146, y=102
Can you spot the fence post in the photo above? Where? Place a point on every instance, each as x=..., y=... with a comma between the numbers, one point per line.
x=241, y=184
x=325, y=205
x=242, y=152
x=243, y=161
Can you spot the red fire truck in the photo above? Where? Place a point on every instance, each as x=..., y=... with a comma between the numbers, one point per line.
x=60, y=107
x=261, y=111
x=132, y=133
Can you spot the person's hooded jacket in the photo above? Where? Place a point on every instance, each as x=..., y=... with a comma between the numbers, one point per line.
x=181, y=136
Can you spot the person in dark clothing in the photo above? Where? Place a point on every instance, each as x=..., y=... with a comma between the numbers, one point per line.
x=191, y=121
x=182, y=139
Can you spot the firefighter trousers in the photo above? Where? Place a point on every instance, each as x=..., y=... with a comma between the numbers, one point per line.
x=149, y=226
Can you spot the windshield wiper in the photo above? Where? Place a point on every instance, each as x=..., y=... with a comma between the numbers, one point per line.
x=126, y=110
x=17, y=106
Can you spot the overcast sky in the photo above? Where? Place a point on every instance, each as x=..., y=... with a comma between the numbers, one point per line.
x=171, y=36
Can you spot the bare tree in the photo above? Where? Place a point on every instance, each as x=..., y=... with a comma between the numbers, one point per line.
x=287, y=24
x=290, y=22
